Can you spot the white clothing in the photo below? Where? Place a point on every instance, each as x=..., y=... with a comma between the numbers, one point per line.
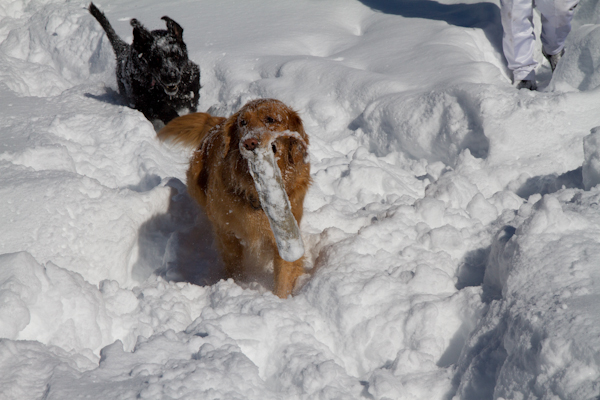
x=519, y=39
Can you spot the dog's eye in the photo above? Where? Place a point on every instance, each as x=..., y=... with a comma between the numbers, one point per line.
x=269, y=120
x=243, y=122
x=274, y=148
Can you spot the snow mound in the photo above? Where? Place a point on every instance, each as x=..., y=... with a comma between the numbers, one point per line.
x=48, y=49
x=530, y=341
x=435, y=126
x=579, y=67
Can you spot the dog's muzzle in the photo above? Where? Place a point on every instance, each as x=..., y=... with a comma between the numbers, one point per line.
x=169, y=85
x=171, y=90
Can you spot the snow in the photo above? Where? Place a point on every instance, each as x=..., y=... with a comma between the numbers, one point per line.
x=591, y=166
x=451, y=231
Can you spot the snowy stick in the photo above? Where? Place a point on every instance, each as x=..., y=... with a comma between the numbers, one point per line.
x=274, y=201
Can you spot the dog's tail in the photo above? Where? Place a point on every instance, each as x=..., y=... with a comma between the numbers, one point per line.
x=189, y=130
x=119, y=46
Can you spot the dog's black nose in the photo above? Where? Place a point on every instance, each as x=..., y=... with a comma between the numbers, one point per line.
x=250, y=144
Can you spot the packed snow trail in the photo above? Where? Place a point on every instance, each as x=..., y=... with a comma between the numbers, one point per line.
x=450, y=231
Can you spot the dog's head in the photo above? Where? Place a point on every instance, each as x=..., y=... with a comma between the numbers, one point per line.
x=163, y=52
x=268, y=122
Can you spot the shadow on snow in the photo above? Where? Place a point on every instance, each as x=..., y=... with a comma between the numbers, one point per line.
x=177, y=245
x=552, y=183
x=483, y=15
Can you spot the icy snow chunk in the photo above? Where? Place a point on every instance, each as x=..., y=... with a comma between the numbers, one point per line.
x=453, y=189
x=481, y=209
x=118, y=300
x=274, y=201
x=549, y=215
x=591, y=165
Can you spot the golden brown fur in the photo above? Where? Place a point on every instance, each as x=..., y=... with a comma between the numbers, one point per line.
x=219, y=180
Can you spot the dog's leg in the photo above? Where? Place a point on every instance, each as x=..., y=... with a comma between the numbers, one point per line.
x=192, y=75
x=232, y=253
x=166, y=113
x=286, y=273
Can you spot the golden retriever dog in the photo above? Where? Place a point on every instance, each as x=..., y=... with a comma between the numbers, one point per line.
x=220, y=179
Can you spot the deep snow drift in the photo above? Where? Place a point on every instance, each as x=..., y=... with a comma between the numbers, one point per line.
x=452, y=230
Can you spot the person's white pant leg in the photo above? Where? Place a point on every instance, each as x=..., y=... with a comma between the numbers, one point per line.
x=556, y=23
x=519, y=39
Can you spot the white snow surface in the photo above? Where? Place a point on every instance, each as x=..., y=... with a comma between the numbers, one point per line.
x=452, y=236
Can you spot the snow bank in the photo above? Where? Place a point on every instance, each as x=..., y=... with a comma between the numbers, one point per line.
x=582, y=58
x=533, y=341
x=450, y=231
x=48, y=48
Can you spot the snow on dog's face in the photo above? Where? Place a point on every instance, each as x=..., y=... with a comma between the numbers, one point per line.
x=164, y=52
x=270, y=123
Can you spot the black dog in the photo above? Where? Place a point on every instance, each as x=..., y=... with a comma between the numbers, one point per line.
x=154, y=73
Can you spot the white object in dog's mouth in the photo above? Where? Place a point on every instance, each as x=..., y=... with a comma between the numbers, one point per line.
x=274, y=200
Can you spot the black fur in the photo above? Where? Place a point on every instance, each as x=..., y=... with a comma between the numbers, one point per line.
x=154, y=73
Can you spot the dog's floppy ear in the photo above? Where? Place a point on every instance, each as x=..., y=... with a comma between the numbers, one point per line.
x=174, y=28
x=296, y=125
x=142, y=38
x=298, y=149
x=231, y=134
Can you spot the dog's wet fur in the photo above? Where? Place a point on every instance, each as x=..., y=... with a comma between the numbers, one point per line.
x=154, y=73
